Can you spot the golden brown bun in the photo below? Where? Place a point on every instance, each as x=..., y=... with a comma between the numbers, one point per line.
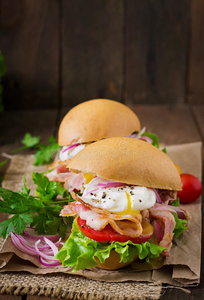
x=128, y=160
x=96, y=119
x=113, y=262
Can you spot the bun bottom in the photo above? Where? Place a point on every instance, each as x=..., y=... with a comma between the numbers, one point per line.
x=113, y=262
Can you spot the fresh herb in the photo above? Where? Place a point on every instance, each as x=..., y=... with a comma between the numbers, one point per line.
x=28, y=141
x=164, y=150
x=46, y=153
x=3, y=163
x=181, y=225
x=2, y=72
x=41, y=211
x=80, y=251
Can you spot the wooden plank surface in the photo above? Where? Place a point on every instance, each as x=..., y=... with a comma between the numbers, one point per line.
x=92, y=50
x=14, y=125
x=29, y=42
x=156, y=51
x=173, y=124
x=196, y=54
x=199, y=115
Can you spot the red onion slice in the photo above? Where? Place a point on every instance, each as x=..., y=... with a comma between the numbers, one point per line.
x=49, y=264
x=146, y=139
x=20, y=246
x=42, y=247
x=52, y=246
x=72, y=146
x=157, y=195
x=41, y=254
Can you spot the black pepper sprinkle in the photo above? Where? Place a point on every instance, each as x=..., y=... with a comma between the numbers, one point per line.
x=104, y=195
x=131, y=193
x=82, y=226
x=132, y=187
x=91, y=194
x=121, y=188
x=140, y=200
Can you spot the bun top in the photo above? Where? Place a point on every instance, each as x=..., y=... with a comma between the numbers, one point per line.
x=96, y=119
x=128, y=160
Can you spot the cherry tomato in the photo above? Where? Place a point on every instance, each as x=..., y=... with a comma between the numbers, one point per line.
x=191, y=188
x=110, y=235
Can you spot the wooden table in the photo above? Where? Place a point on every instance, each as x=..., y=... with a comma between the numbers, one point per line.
x=173, y=124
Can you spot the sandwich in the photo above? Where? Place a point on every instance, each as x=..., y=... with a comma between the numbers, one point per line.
x=86, y=123
x=128, y=208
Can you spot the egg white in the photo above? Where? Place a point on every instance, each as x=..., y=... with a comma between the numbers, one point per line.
x=70, y=153
x=126, y=200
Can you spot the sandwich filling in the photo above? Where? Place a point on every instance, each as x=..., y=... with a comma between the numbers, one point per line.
x=109, y=211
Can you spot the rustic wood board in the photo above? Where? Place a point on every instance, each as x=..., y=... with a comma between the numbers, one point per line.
x=14, y=125
x=196, y=54
x=29, y=42
x=92, y=50
x=156, y=51
x=199, y=115
x=173, y=124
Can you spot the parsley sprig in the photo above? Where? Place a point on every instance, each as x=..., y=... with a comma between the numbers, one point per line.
x=44, y=153
x=41, y=211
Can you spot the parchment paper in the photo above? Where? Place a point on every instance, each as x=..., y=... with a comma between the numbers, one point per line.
x=181, y=268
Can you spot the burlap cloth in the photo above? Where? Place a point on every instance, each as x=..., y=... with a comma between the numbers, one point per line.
x=73, y=286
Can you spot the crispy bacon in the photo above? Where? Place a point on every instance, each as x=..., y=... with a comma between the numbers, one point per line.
x=74, y=181
x=167, y=196
x=61, y=173
x=169, y=224
x=96, y=218
x=182, y=213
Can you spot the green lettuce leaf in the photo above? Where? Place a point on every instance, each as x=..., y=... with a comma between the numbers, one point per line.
x=154, y=138
x=80, y=251
x=181, y=225
x=175, y=202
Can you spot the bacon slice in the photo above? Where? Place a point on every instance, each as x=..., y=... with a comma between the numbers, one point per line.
x=96, y=218
x=74, y=181
x=169, y=224
x=167, y=196
x=61, y=173
x=182, y=213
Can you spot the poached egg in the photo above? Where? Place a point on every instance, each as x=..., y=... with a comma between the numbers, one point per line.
x=121, y=200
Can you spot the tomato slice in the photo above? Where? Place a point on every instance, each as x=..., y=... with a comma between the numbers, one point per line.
x=110, y=235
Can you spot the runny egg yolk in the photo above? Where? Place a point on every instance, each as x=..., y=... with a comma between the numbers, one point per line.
x=88, y=177
x=129, y=209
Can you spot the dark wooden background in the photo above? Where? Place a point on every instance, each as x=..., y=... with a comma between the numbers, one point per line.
x=62, y=52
